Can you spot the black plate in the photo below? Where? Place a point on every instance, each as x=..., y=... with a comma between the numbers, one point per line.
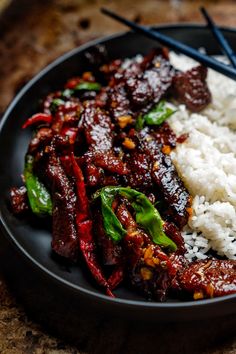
x=37, y=277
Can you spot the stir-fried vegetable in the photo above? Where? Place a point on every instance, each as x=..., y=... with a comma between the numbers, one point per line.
x=89, y=86
x=67, y=93
x=38, y=118
x=39, y=198
x=156, y=116
x=146, y=216
x=56, y=102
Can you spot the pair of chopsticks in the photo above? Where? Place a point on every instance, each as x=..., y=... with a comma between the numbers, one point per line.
x=224, y=45
x=183, y=48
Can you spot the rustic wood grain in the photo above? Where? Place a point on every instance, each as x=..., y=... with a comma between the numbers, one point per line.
x=32, y=34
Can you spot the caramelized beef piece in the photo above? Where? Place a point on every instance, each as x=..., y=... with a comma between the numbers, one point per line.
x=100, y=158
x=165, y=176
x=108, y=161
x=139, y=90
x=149, y=268
x=153, y=170
x=19, y=200
x=118, y=103
x=165, y=135
x=139, y=84
x=159, y=78
x=97, y=128
x=209, y=278
x=153, y=82
x=42, y=137
x=172, y=189
x=191, y=88
x=64, y=235
x=180, y=263
x=140, y=173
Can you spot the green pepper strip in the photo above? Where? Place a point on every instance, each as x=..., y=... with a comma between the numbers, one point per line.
x=67, y=93
x=39, y=198
x=146, y=215
x=55, y=104
x=86, y=85
x=156, y=116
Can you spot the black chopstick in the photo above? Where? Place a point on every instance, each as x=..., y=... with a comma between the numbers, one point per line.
x=227, y=50
x=175, y=45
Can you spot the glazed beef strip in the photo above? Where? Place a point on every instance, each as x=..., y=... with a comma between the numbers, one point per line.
x=152, y=170
x=52, y=173
x=139, y=85
x=99, y=135
x=191, y=88
x=208, y=278
x=165, y=177
x=149, y=268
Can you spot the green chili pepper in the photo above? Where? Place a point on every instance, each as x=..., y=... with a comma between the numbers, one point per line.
x=39, y=198
x=147, y=215
x=112, y=225
x=139, y=124
x=56, y=102
x=89, y=86
x=67, y=93
x=156, y=116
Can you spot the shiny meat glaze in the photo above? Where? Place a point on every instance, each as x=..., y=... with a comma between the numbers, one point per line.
x=209, y=278
x=191, y=88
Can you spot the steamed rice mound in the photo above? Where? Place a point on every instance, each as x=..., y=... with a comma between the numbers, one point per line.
x=206, y=162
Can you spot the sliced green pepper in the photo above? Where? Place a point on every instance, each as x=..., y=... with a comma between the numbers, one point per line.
x=156, y=116
x=39, y=198
x=89, y=86
x=146, y=215
x=139, y=124
x=56, y=102
x=67, y=93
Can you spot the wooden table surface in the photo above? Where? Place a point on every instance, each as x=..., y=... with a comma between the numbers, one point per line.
x=32, y=34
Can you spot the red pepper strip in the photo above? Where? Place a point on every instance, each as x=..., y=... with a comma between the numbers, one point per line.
x=38, y=118
x=73, y=82
x=84, y=229
x=88, y=249
x=81, y=191
x=116, y=277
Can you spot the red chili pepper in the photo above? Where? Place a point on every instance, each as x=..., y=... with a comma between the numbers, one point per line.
x=116, y=277
x=84, y=229
x=38, y=118
x=81, y=191
x=88, y=249
x=73, y=82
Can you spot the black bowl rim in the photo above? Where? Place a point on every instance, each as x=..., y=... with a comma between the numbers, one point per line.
x=95, y=294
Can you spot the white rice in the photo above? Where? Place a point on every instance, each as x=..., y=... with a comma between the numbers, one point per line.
x=206, y=162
